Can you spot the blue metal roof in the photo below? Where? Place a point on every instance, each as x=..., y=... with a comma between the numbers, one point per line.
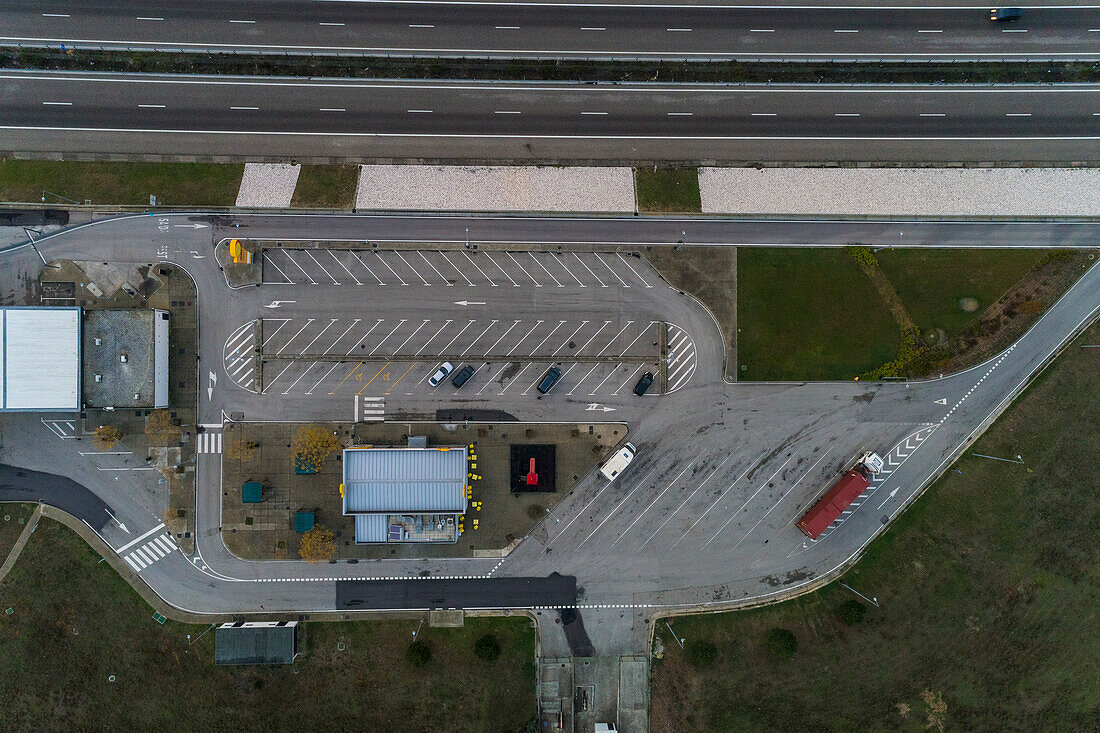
x=404, y=480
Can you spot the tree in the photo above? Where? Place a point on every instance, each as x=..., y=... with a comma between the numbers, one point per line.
x=487, y=648
x=317, y=544
x=418, y=654
x=781, y=643
x=160, y=429
x=241, y=449
x=105, y=436
x=701, y=653
x=312, y=447
x=851, y=612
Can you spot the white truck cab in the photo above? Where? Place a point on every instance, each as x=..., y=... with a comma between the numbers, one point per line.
x=872, y=462
x=618, y=461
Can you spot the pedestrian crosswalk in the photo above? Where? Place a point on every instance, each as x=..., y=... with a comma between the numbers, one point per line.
x=148, y=553
x=370, y=409
x=208, y=442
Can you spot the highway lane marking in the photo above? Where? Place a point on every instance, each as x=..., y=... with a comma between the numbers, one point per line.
x=55, y=15
x=332, y=109
x=680, y=114
x=1017, y=114
x=507, y=27
x=244, y=108
x=242, y=21
x=844, y=30
x=932, y=114
x=763, y=114
x=593, y=113
x=59, y=104
x=507, y=112
x=152, y=106
x=420, y=25
x=929, y=31
x=846, y=114
x=419, y=111
x=149, y=19
x=332, y=24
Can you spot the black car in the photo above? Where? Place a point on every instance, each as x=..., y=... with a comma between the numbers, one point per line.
x=1005, y=15
x=643, y=384
x=553, y=374
x=462, y=376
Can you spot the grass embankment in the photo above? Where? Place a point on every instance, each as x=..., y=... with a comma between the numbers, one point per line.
x=990, y=601
x=667, y=190
x=13, y=518
x=326, y=187
x=808, y=314
x=130, y=184
x=76, y=623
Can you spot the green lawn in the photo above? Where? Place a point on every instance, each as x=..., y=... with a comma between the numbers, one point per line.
x=931, y=282
x=13, y=518
x=668, y=189
x=326, y=187
x=808, y=314
x=990, y=601
x=76, y=623
x=174, y=184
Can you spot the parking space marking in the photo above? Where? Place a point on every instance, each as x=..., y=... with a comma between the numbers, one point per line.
x=422, y=278
x=629, y=379
x=601, y=282
x=353, y=277
x=578, y=384
x=547, y=337
x=373, y=378
x=448, y=322
x=783, y=496
x=383, y=261
x=570, y=337
x=685, y=501
x=629, y=494
x=597, y=388
x=586, y=343
x=400, y=378
x=539, y=379
x=502, y=271
x=524, y=336
x=415, y=331
x=64, y=429
x=310, y=255
x=490, y=350
x=444, y=349
x=271, y=335
x=276, y=379
x=300, y=376
x=303, y=328
x=536, y=282
x=447, y=282
x=748, y=501
x=515, y=378
x=654, y=502
x=611, y=270
x=613, y=338
x=364, y=338
x=470, y=348
x=295, y=263
x=346, y=377
x=330, y=371
x=364, y=264
x=270, y=261
x=493, y=379
x=545, y=270
x=379, y=346
x=636, y=273
x=471, y=259
x=455, y=267
x=311, y=343
x=558, y=259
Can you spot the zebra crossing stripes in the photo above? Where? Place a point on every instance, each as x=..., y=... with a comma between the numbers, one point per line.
x=370, y=409
x=208, y=442
x=681, y=358
x=145, y=555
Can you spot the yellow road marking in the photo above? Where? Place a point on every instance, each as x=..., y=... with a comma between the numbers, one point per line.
x=372, y=378
x=353, y=371
x=399, y=379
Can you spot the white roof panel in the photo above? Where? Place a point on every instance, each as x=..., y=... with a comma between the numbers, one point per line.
x=40, y=365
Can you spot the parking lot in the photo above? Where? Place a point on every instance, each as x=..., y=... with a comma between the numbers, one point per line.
x=459, y=268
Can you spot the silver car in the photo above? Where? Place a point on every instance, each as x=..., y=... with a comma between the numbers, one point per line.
x=441, y=373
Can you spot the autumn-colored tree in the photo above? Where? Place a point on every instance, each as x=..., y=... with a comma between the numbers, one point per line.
x=105, y=436
x=312, y=447
x=318, y=544
x=160, y=430
x=241, y=449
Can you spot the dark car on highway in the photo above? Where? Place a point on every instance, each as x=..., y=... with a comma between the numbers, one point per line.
x=553, y=374
x=643, y=384
x=463, y=376
x=1005, y=15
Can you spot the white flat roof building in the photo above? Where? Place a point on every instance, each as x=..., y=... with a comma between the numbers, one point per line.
x=40, y=358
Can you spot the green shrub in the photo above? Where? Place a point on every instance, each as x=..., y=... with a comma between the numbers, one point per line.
x=487, y=648
x=701, y=653
x=908, y=350
x=851, y=612
x=863, y=256
x=781, y=643
x=418, y=654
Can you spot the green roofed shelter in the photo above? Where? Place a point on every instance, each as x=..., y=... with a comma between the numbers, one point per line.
x=304, y=521
x=256, y=642
x=252, y=492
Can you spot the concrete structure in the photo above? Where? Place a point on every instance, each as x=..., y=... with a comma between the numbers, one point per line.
x=405, y=494
x=256, y=642
x=125, y=360
x=40, y=358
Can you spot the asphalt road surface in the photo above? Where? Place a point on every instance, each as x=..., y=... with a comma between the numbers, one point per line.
x=576, y=30
x=553, y=591
x=88, y=112
x=22, y=484
x=704, y=516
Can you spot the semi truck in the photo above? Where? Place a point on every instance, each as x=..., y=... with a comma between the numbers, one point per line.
x=830, y=506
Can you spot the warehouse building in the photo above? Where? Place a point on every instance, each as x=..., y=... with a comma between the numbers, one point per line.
x=397, y=495
x=63, y=359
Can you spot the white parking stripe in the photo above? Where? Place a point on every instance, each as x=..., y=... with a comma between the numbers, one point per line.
x=614, y=338
x=609, y=375
x=629, y=379
x=601, y=282
x=437, y=272
x=383, y=261
x=323, y=378
x=636, y=273
x=578, y=384
x=524, y=336
x=303, y=328
x=493, y=379
x=643, y=333
x=416, y=331
x=460, y=272
x=586, y=343
x=295, y=263
x=353, y=277
x=276, y=379
x=268, y=337
x=422, y=278
x=558, y=258
x=560, y=324
x=424, y=348
x=612, y=271
x=537, y=380
x=471, y=259
x=379, y=346
x=368, y=333
x=536, y=282
x=490, y=351
x=311, y=343
x=470, y=348
x=515, y=378
x=330, y=277
x=444, y=349
x=300, y=376
x=544, y=269
x=364, y=264
x=502, y=271
x=268, y=259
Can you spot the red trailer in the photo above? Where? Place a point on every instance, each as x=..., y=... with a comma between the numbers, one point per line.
x=835, y=501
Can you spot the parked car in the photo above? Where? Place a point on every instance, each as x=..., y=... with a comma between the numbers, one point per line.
x=462, y=376
x=553, y=374
x=441, y=373
x=1005, y=15
x=643, y=384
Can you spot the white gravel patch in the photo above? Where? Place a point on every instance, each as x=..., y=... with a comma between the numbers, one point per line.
x=902, y=191
x=268, y=185
x=504, y=188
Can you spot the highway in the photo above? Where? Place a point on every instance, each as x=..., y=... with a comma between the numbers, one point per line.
x=558, y=30
x=301, y=118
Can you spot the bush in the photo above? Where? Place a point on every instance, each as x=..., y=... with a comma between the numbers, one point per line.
x=851, y=612
x=487, y=648
x=418, y=654
x=701, y=653
x=863, y=256
x=781, y=643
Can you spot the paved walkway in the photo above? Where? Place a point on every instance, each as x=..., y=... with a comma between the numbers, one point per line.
x=20, y=543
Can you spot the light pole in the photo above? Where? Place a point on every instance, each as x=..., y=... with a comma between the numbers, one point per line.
x=873, y=600
x=418, y=629
x=1018, y=459
x=674, y=636
x=467, y=237
x=44, y=192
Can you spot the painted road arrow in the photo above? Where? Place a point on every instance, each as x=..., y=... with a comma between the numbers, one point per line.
x=941, y=401
x=597, y=406
x=891, y=496
x=469, y=302
x=120, y=524
x=277, y=303
x=191, y=226
x=210, y=387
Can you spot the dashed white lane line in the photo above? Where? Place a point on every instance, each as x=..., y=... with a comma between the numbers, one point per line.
x=419, y=111
x=507, y=112
x=1017, y=114
x=420, y=25
x=244, y=108
x=929, y=31
x=58, y=104
x=678, y=30
x=150, y=19
x=845, y=30
x=593, y=28
x=932, y=114
x=56, y=15
x=247, y=22
x=846, y=114
x=152, y=106
x=507, y=27
x=331, y=24
x=332, y=109
x=761, y=30
x=593, y=113
x=680, y=114
x=978, y=383
x=764, y=114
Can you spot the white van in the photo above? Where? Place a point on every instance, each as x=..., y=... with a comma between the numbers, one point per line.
x=618, y=462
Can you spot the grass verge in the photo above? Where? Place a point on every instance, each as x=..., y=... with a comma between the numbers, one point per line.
x=13, y=518
x=76, y=623
x=990, y=601
x=326, y=187
x=667, y=190
x=174, y=184
x=808, y=314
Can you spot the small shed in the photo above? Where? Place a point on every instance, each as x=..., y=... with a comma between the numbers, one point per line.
x=256, y=642
x=304, y=521
x=252, y=492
